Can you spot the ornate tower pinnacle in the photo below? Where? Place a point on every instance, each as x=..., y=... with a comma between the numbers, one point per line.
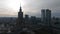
x=20, y=9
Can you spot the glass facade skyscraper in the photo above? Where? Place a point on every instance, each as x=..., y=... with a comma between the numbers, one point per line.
x=46, y=16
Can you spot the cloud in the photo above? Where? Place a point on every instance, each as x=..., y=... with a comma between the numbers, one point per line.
x=7, y=7
x=7, y=12
x=33, y=7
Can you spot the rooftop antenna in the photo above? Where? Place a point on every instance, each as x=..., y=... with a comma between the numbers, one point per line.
x=20, y=8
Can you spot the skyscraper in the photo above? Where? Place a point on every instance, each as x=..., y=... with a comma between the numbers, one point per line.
x=43, y=15
x=20, y=17
x=46, y=16
x=17, y=28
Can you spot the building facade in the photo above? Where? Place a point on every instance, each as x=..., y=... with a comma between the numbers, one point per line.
x=43, y=16
x=46, y=16
x=20, y=17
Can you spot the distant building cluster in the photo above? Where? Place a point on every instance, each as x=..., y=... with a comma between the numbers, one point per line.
x=7, y=20
x=30, y=24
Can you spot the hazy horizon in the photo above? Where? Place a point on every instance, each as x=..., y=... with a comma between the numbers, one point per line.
x=30, y=7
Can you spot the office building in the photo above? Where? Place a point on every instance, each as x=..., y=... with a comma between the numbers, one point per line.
x=46, y=16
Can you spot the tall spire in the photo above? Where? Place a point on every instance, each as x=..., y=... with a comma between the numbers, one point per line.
x=20, y=8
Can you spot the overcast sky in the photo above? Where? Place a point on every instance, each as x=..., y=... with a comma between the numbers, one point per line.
x=30, y=7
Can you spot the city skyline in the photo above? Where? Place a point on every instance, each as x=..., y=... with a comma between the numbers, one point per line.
x=30, y=7
x=29, y=17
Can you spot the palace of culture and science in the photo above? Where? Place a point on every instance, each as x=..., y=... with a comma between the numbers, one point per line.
x=20, y=18
x=19, y=22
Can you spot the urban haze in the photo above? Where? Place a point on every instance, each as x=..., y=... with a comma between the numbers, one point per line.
x=31, y=7
x=29, y=16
